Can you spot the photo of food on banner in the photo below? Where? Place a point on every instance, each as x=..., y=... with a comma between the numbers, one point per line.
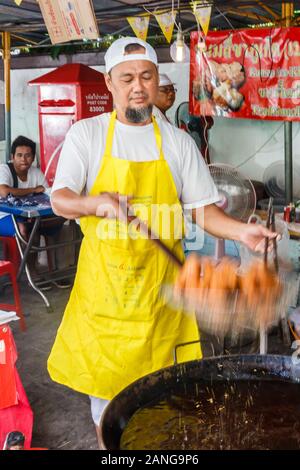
x=218, y=85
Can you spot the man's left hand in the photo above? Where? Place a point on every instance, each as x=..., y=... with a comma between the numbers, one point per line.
x=253, y=236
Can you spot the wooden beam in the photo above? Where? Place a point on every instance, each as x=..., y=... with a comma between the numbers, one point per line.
x=269, y=10
x=20, y=12
x=28, y=41
x=6, y=64
x=287, y=10
x=6, y=60
x=249, y=15
x=244, y=7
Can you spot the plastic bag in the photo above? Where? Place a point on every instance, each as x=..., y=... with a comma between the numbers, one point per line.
x=15, y=413
x=248, y=256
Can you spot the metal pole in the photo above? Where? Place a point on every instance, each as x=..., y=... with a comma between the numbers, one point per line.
x=287, y=13
x=288, y=161
x=6, y=60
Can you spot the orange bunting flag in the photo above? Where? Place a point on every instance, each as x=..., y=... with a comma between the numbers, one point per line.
x=202, y=14
x=139, y=25
x=166, y=21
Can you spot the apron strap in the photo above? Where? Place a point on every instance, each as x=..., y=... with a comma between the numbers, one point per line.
x=158, y=139
x=110, y=136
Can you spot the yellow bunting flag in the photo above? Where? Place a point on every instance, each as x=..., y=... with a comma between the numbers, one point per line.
x=202, y=14
x=18, y=2
x=139, y=25
x=166, y=22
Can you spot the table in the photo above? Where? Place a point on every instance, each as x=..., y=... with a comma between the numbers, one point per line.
x=38, y=208
x=293, y=228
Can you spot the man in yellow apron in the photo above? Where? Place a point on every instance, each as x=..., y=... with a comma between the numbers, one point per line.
x=116, y=326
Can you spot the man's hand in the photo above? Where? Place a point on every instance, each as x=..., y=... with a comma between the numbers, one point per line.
x=253, y=236
x=112, y=206
x=39, y=189
x=70, y=205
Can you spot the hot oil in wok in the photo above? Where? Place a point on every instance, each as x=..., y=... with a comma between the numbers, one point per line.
x=227, y=415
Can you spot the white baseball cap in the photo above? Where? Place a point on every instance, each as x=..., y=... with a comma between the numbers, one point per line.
x=164, y=80
x=116, y=53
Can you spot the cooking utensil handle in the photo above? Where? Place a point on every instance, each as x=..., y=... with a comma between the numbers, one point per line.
x=276, y=263
x=268, y=223
x=146, y=230
x=188, y=343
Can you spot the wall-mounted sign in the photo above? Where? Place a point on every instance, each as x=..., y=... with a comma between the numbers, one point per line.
x=68, y=20
x=252, y=73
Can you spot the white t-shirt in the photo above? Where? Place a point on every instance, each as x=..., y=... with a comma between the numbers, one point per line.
x=34, y=178
x=81, y=155
x=158, y=114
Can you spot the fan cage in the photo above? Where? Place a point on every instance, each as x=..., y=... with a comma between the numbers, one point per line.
x=236, y=188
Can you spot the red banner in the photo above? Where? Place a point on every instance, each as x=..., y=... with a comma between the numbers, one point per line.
x=253, y=73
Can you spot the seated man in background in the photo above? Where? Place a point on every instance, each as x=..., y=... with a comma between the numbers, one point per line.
x=20, y=178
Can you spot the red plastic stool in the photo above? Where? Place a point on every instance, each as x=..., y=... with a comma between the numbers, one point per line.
x=11, y=251
x=7, y=268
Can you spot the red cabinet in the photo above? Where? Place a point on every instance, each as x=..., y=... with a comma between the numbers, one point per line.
x=66, y=95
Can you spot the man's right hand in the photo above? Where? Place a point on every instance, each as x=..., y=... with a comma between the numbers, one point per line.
x=70, y=205
x=112, y=206
x=39, y=189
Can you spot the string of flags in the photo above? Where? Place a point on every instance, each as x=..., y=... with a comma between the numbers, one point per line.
x=202, y=13
x=139, y=24
x=166, y=20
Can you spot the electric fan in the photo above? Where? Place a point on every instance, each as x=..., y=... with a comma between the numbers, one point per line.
x=191, y=124
x=237, y=196
x=274, y=181
x=196, y=126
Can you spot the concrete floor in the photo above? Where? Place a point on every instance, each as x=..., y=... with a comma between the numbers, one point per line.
x=62, y=417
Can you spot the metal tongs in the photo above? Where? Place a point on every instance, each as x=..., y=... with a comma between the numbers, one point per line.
x=263, y=344
x=271, y=223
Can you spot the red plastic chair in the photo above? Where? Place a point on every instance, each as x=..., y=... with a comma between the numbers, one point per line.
x=10, y=250
x=7, y=268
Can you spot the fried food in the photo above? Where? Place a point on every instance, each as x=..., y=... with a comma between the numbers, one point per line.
x=189, y=275
x=259, y=282
x=217, y=289
x=207, y=270
x=188, y=278
x=261, y=288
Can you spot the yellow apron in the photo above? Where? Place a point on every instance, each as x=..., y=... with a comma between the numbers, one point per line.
x=116, y=326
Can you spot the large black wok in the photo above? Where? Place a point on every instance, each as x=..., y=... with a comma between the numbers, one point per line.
x=150, y=387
